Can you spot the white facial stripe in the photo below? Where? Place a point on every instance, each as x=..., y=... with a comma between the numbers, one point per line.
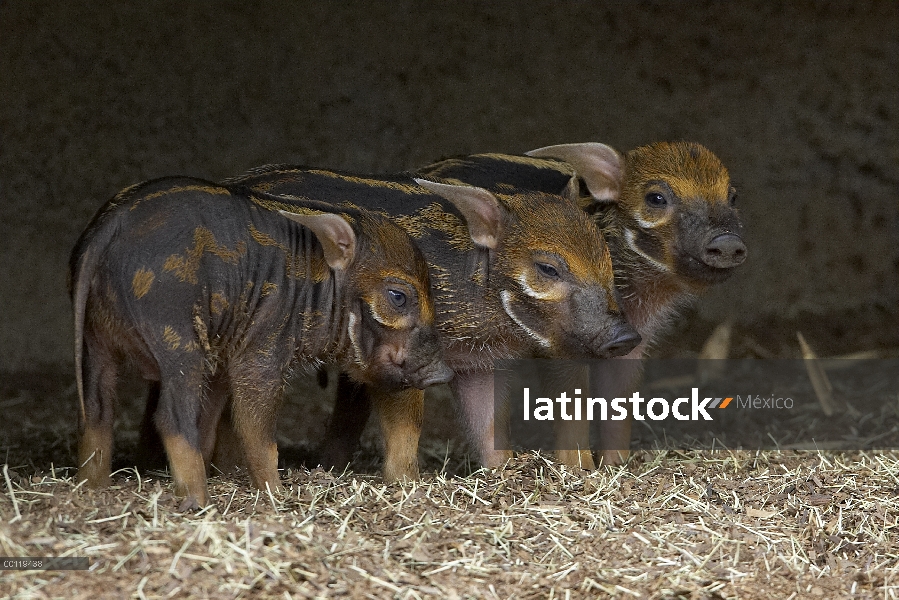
x=649, y=224
x=357, y=351
x=377, y=317
x=506, y=296
x=527, y=289
x=631, y=241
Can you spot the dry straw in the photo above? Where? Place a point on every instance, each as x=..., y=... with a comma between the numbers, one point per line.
x=704, y=524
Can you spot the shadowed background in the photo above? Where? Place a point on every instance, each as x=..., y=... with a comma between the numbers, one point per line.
x=798, y=100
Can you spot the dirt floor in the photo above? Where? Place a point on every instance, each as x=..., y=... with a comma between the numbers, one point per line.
x=695, y=525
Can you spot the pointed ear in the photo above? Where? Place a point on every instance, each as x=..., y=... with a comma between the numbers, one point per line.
x=334, y=234
x=600, y=166
x=572, y=191
x=482, y=211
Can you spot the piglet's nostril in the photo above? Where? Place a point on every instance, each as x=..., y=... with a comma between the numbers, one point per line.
x=432, y=374
x=625, y=339
x=724, y=251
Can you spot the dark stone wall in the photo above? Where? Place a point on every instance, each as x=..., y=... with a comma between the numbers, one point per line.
x=798, y=99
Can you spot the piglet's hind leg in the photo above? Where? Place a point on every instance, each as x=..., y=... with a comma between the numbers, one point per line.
x=181, y=395
x=474, y=394
x=98, y=417
x=150, y=451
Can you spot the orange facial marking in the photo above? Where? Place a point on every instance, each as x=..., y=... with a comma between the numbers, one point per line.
x=394, y=255
x=556, y=226
x=576, y=239
x=426, y=307
x=539, y=290
x=612, y=303
x=587, y=268
x=707, y=191
x=691, y=170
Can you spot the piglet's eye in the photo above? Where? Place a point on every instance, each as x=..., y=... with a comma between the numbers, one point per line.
x=397, y=298
x=655, y=199
x=548, y=270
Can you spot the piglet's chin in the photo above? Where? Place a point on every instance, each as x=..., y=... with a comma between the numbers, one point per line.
x=387, y=375
x=623, y=339
x=694, y=270
x=432, y=374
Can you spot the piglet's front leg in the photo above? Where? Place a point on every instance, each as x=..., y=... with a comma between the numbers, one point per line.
x=352, y=408
x=572, y=437
x=400, y=414
x=475, y=403
x=616, y=378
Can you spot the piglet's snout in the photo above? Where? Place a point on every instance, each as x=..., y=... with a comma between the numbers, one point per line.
x=619, y=341
x=432, y=374
x=420, y=375
x=724, y=251
x=624, y=339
